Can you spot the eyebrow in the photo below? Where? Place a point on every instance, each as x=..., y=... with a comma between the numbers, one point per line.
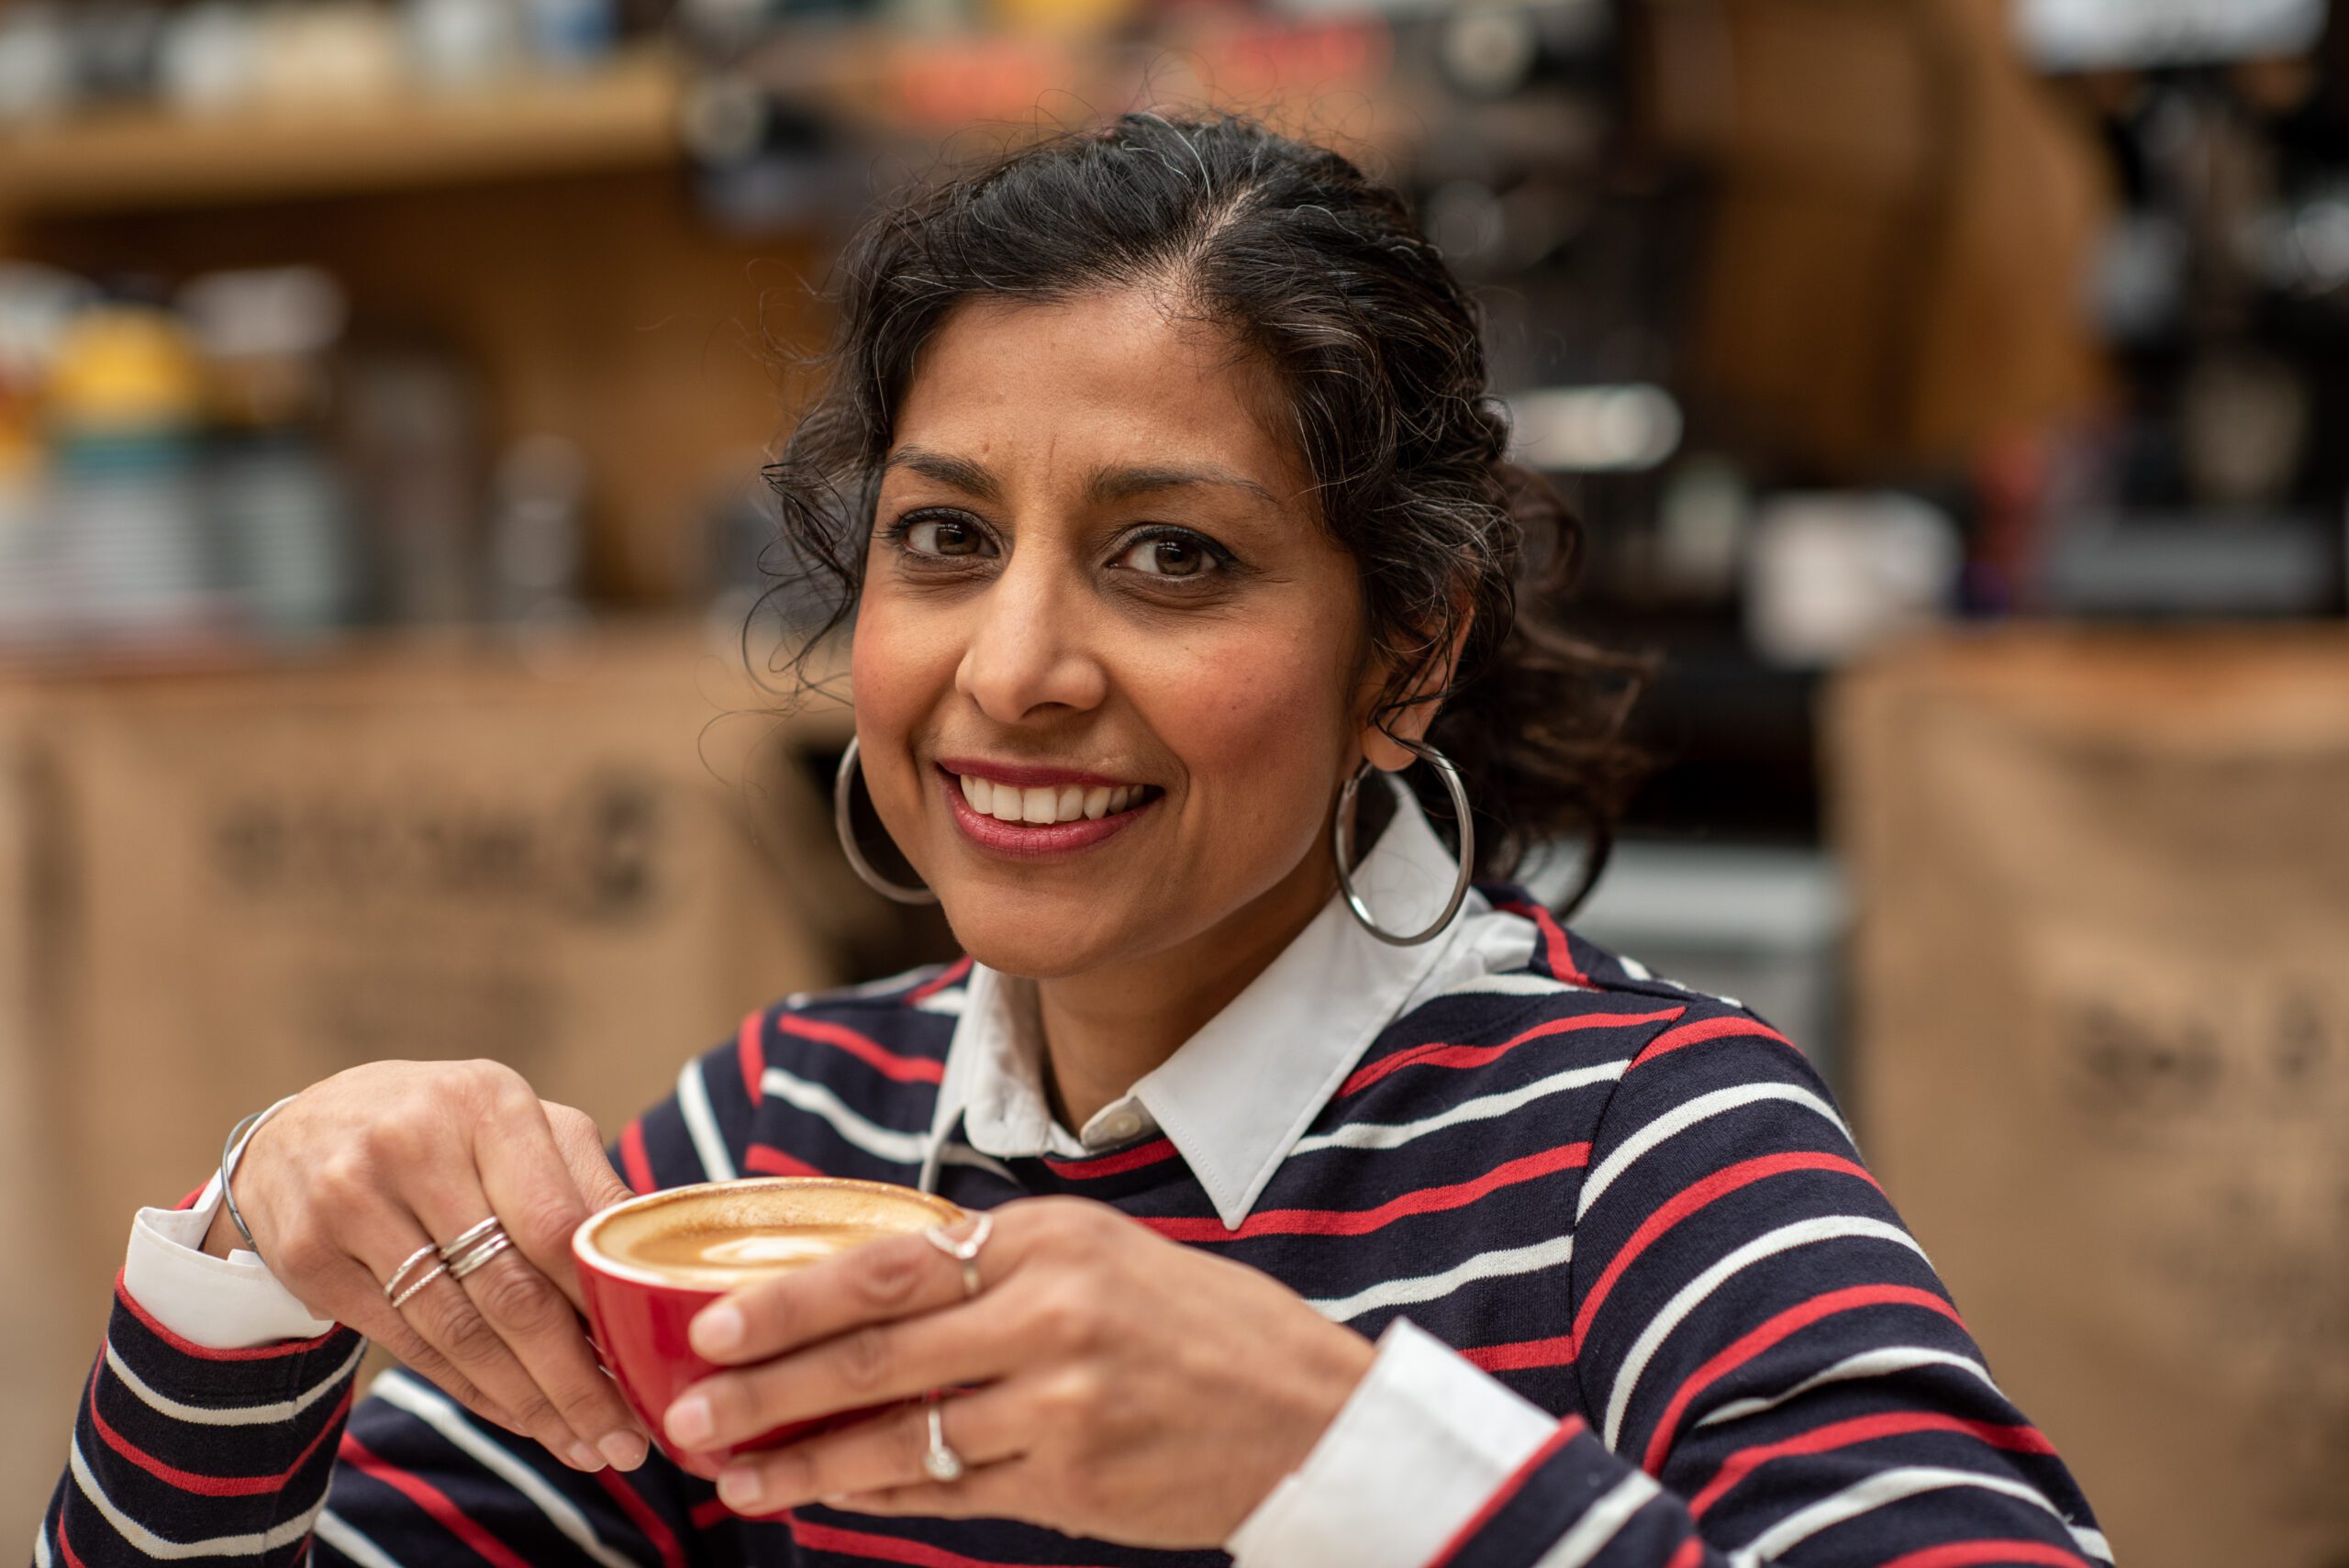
x=1107, y=485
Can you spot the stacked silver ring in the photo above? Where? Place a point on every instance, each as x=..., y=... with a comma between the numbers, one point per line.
x=459, y=1258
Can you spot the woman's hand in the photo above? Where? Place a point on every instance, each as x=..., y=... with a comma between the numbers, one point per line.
x=360, y=1172
x=1120, y=1386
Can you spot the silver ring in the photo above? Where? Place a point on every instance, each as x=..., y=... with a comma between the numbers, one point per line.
x=473, y=1234
x=434, y=1272
x=395, y=1291
x=481, y=1253
x=965, y=1251
x=941, y=1463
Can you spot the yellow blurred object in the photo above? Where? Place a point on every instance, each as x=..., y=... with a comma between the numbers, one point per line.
x=123, y=368
x=1066, y=17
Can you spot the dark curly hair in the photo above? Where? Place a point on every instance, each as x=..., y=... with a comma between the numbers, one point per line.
x=1321, y=271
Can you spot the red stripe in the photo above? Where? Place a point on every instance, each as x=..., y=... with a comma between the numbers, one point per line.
x=65, y=1547
x=1691, y=1553
x=433, y=1501
x=1702, y=1030
x=1361, y=1221
x=768, y=1160
x=640, y=1513
x=941, y=981
x=1523, y=1354
x=209, y=1486
x=1559, y=952
x=872, y=1052
x=636, y=1164
x=1861, y=1429
x=1568, y=1430
x=189, y=1202
x=1966, y=1553
x=885, y=1548
x=1694, y=1197
x=1117, y=1164
x=205, y=1352
x=1477, y=1055
x=750, y=1052
x=1755, y=1342
x=709, y=1512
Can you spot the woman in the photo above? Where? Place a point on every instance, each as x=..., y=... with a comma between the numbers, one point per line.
x=1339, y=1213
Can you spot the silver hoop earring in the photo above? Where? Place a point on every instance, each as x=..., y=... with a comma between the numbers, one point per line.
x=895, y=892
x=1460, y=813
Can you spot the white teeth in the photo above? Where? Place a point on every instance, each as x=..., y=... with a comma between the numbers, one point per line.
x=1044, y=807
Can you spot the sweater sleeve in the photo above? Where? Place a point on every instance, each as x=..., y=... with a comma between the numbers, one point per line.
x=187, y=1451
x=1770, y=1369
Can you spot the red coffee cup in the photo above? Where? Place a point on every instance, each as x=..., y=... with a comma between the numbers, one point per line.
x=639, y=1311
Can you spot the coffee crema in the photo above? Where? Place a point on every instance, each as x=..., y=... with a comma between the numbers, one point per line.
x=727, y=1234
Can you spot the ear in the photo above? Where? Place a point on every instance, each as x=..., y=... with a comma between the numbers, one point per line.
x=1409, y=720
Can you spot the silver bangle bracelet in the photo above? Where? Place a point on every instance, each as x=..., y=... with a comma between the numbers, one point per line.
x=232, y=1150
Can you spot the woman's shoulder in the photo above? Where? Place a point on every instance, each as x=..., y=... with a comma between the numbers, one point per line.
x=896, y=1030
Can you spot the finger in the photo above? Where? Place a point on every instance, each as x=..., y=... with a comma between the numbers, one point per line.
x=996, y=1492
x=530, y=1186
x=877, y=1364
x=512, y=1332
x=508, y=1356
x=352, y=1298
x=878, y=1283
x=883, y=1453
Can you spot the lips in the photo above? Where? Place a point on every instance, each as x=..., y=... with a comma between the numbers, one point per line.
x=1028, y=812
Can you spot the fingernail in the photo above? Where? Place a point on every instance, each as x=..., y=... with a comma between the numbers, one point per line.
x=717, y=1331
x=586, y=1458
x=625, y=1449
x=740, y=1489
x=689, y=1421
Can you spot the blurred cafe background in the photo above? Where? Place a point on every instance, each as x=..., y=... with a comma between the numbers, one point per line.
x=1955, y=390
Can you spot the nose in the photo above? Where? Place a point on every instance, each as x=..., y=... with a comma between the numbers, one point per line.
x=1029, y=653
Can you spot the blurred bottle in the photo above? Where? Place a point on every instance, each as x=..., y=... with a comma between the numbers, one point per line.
x=411, y=426
x=277, y=504
x=326, y=52
x=206, y=61
x=121, y=411
x=537, y=533
x=459, y=44
x=36, y=73
x=572, y=35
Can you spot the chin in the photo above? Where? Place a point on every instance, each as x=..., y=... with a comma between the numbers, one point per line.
x=1034, y=938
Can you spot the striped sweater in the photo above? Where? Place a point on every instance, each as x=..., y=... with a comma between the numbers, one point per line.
x=1635, y=1206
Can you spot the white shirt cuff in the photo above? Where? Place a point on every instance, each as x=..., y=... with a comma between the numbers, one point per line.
x=223, y=1304
x=1425, y=1440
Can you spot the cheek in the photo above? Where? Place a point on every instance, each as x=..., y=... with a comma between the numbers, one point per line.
x=1261, y=726
x=900, y=666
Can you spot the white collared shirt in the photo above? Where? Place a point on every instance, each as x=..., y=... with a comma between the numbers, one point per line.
x=1425, y=1438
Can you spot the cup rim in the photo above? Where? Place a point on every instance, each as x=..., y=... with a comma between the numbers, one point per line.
x=592, y=1257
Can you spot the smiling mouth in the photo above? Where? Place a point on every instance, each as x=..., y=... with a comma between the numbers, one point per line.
x=1045, y=805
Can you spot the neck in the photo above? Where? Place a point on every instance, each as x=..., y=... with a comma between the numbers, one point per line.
x=1107, y=1029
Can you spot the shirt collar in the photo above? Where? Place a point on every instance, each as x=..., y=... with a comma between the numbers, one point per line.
x=1235, y=1096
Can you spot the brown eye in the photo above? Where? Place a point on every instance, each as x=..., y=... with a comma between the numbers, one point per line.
x=1167, y=556
x=947, y=537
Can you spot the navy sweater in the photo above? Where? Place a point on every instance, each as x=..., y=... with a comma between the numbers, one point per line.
x=1635, y=1206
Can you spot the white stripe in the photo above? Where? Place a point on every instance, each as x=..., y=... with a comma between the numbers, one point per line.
x=1681, y=1118
x=403, y=1392
x=147, y=1543
x=1429, y=1287
x=693, y=1100
x=1880, y=1363
x=40, y=1546
x=905, y=1147
x=1802, y=1233
x=1393, y=1135
x=1600, y=1523
x=232, y=1416
x=949, y=1001
x=952, y=1153
x=1887, y=1486
x=352, y=1544
x=1510, y=986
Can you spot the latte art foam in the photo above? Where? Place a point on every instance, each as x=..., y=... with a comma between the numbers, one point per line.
x=727, y=1234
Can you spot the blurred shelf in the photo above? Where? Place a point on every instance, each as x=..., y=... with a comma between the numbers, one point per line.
x=622, y=117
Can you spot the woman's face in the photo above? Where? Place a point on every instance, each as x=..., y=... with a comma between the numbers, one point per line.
x=1108, y=666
